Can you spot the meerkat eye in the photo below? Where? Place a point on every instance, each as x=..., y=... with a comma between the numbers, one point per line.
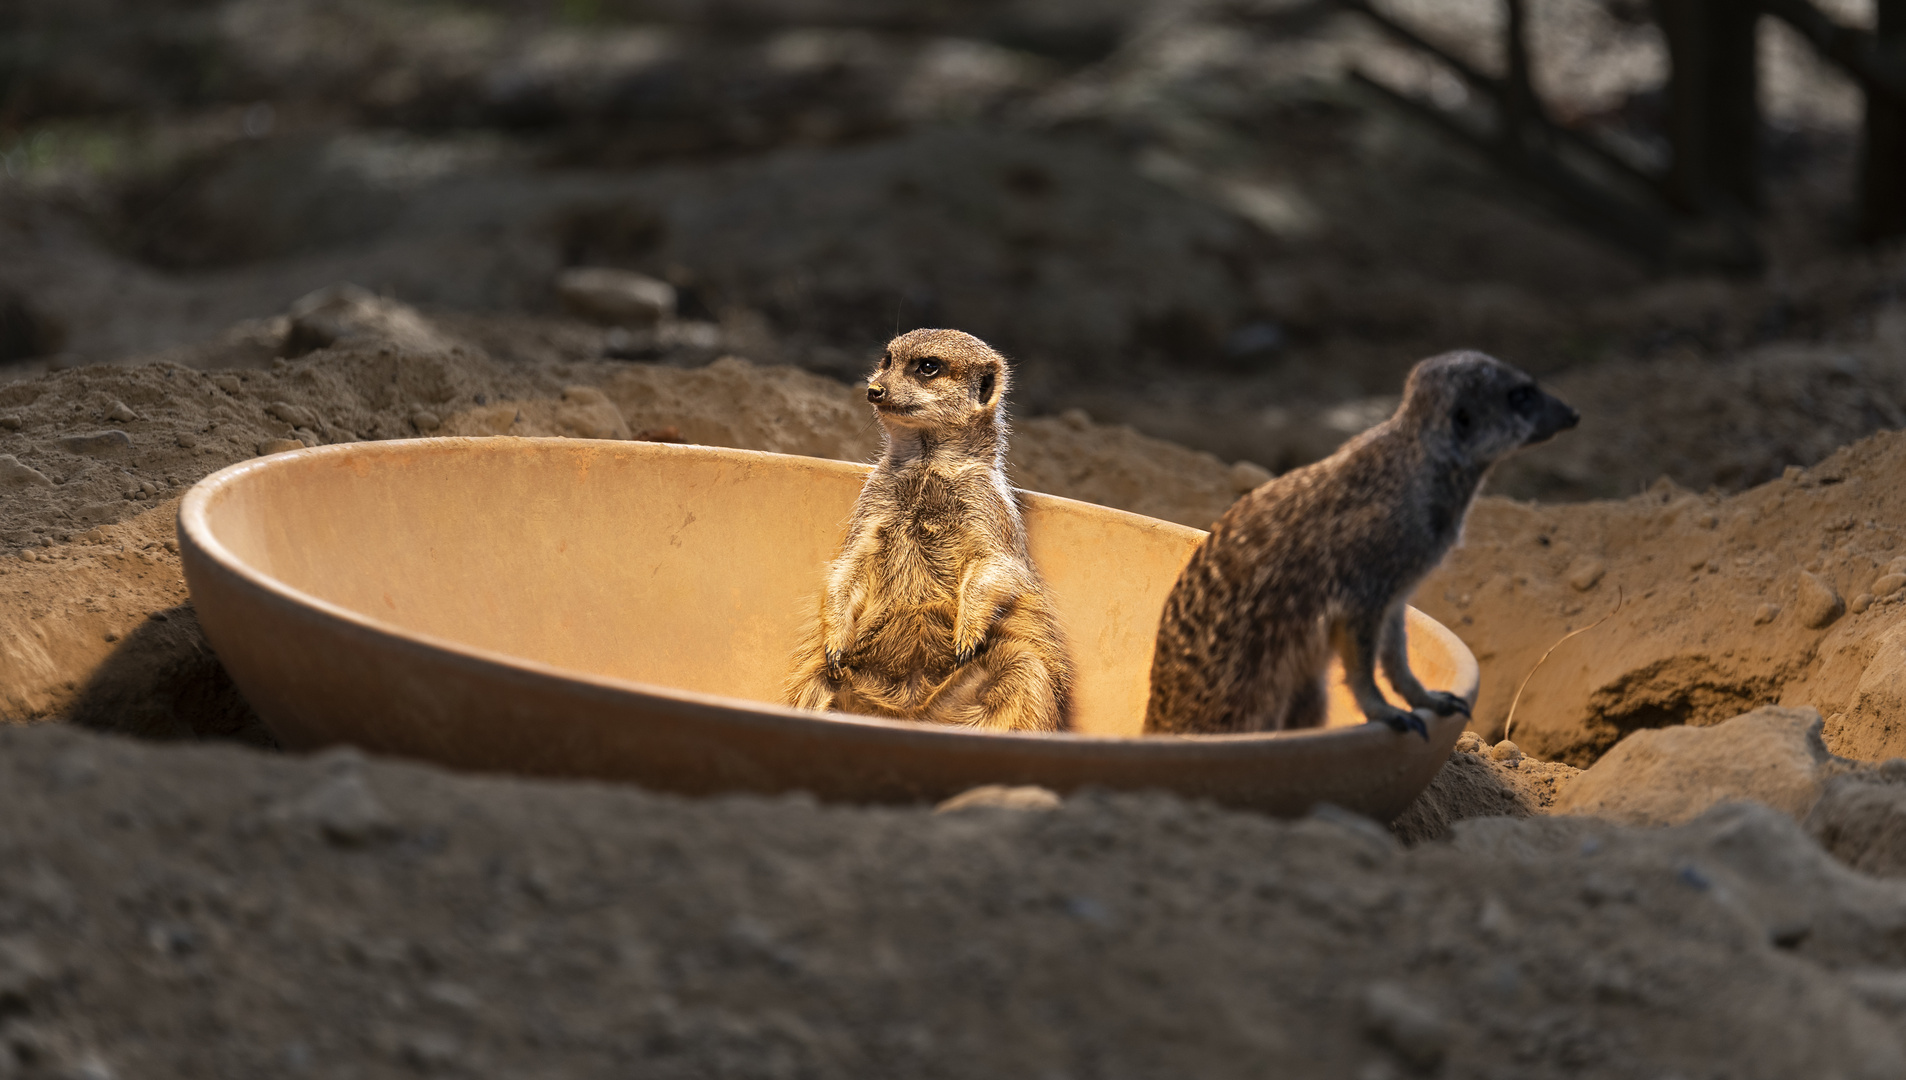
x=1521, y=398
x=886, y=360
x=1460, y=420
x=986, y=388
x=928, y=368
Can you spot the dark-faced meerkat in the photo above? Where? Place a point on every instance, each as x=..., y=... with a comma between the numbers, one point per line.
x=1324, y=558
x=933, y=610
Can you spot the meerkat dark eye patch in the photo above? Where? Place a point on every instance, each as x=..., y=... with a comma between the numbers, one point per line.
x=1461, y=421
x=985, y=387
x=1522, y=398
x=928, y=368
x=886, y=360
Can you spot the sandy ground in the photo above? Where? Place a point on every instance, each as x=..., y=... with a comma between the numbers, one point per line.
x=1683, y=855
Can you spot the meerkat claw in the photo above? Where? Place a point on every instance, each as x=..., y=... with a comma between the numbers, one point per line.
x=836, y=663
x=1446, y=703
x=1402, y=722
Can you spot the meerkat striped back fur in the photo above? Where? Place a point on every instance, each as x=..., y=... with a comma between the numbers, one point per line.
x=1324, y=557
x=933, y=610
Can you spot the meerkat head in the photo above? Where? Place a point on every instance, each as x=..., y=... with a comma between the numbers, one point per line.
x=1480, y=408
x=937, y=379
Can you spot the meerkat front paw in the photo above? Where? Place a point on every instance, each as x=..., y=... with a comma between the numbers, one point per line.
x=1401, y=721
x=966, y=653
x=836, y=663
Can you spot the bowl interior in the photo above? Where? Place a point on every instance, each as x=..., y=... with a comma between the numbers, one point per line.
x=678, y=567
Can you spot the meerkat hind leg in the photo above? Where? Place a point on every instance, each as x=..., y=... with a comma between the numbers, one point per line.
x=1357, y=637
x=1396, y=666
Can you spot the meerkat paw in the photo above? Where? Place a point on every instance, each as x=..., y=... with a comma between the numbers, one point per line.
x=1444, y=703
x=966, y=653
x=1402, y=722
x=836, y=663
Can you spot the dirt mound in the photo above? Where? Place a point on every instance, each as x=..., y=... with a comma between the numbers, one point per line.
x=193, y=911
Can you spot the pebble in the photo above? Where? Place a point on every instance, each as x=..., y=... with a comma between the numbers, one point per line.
x=104, y=442
x=1248, y=475
x=425, y=420
x=1888, y=585
x=1505, y=751
x=1586, y=573
x=346, y=811
x=187, y=440
x=278, y=446
x=1817, y=603
x=1765, y=614
x=1469, y=743
x=295, y=415
x=1415, y=1030
x=10, y=422
x=623, y=297
x=228, y=383
x=16, y=474
x=121, y=412
x=1861, y=603
x=1001, y=797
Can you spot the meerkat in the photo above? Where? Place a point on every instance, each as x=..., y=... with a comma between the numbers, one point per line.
x=933, y=610
x=1324, y=557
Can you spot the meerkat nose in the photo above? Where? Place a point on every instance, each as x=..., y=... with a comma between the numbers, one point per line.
x=875, y=393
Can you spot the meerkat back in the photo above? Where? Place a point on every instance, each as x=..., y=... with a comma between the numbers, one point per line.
x=933, y=610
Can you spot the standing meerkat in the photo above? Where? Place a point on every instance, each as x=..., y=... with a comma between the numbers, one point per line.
x=1324, y=558
x=933, y=610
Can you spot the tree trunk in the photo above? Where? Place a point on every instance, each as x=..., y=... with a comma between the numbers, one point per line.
x=1883, y=165
x=1713, y=112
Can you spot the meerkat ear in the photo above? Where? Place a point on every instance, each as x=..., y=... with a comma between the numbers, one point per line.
x=987, y=390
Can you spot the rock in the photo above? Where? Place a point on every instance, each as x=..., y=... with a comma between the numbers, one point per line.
x=1001, y=797
x=11, y=422
x=1505, y=751
x=1874, y=727
x=228, y=383
x=587, y=413
x=622, y=297
x=1863, y=824
x=23, y=973
x=96, y=445
x=1861, y=603
x=425, y=420
x=1407, y=1025
x=278, y=446
x=1585, y=573
x=1888, y=585
x=344, y=314
x=121, y=413
x=1248, y=475
x=16, y=474
x=1665, y=776
x=187, y=440
x=1766, y=613
x=296, y=415
x=345, y=810
x=1817, y=604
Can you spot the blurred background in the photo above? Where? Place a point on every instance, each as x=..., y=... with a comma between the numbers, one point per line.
x=1230, y=223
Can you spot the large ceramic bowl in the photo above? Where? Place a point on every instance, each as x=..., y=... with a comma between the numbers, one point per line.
x=628, y=610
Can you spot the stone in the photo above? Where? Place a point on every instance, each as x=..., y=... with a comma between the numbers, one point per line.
x=1409, y=1026
x=1248, y=476
x=187, y=440
x=1665, y=776
x=17, y=474
x=296, y=415
x=1585, y=573
x=1874, y=727
x=1505, y=751
x=278, y=446
x=347, y=314
x=121, y=412
x=1001, y=797
x=98, y=444
x=1817, y=603
x=11, y=422
x=345, y=809
x=587, y=413
x=1766, y=613
x=1888, y=585
x=228, y=383
x=1861, y=603
x=426, y=420
x=620, y=297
